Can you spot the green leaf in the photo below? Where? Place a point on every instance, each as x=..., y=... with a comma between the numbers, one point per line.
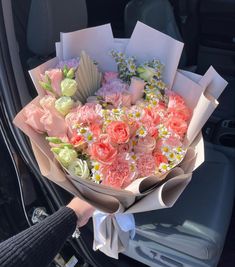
x=65, y=70
x=53, y=140
x=63, y=145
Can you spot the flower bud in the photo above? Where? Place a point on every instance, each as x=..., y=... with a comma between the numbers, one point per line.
x=70, y=73
x=64, y=104
x=79, y=168
x=68, y=87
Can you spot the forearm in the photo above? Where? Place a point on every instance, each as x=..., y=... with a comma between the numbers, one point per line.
x=38, y=245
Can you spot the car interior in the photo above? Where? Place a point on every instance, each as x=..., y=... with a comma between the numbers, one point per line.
x=199, y=229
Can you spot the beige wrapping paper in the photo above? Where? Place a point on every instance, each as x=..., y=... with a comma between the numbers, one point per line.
x=199, y=92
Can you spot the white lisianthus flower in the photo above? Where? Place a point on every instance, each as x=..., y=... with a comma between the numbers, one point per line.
x=65, y=155
x=68, y=87
x=79, y=168
x=64, y=104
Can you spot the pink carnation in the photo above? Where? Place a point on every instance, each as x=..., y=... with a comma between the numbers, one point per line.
x=115, y=92
x=86, y=114
x=177, y=107
x=177, y=125
x=119, y=173
x=146, y=165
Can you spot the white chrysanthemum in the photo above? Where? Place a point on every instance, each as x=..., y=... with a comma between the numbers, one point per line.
x=165, y=150
x=163, y=132
x=164, y=167
x=141, y=132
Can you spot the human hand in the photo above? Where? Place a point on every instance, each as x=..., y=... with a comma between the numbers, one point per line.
x=82, y=209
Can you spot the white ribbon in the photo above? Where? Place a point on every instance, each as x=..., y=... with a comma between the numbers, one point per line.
x=112, y=232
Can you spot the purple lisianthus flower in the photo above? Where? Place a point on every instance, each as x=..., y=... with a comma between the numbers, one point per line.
x=70, y=63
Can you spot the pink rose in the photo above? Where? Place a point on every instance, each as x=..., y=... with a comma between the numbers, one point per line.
x=118, y=174
x=103, y=152
x=109, y=76
x=56, y=77
x=145, y=145
x=146, y=165
x=177, y=125
x=136, y=89
x=118, y=132
x=33, y=115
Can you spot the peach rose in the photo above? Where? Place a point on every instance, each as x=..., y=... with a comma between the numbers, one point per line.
x=103, y=152
x=118, y=132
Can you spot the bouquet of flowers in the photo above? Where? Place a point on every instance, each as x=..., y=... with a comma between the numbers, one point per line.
x=116, y=127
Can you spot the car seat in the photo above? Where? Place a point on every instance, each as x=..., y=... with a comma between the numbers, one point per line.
x=157, y=14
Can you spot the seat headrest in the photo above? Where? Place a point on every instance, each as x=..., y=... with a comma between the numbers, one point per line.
x=47, y=18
